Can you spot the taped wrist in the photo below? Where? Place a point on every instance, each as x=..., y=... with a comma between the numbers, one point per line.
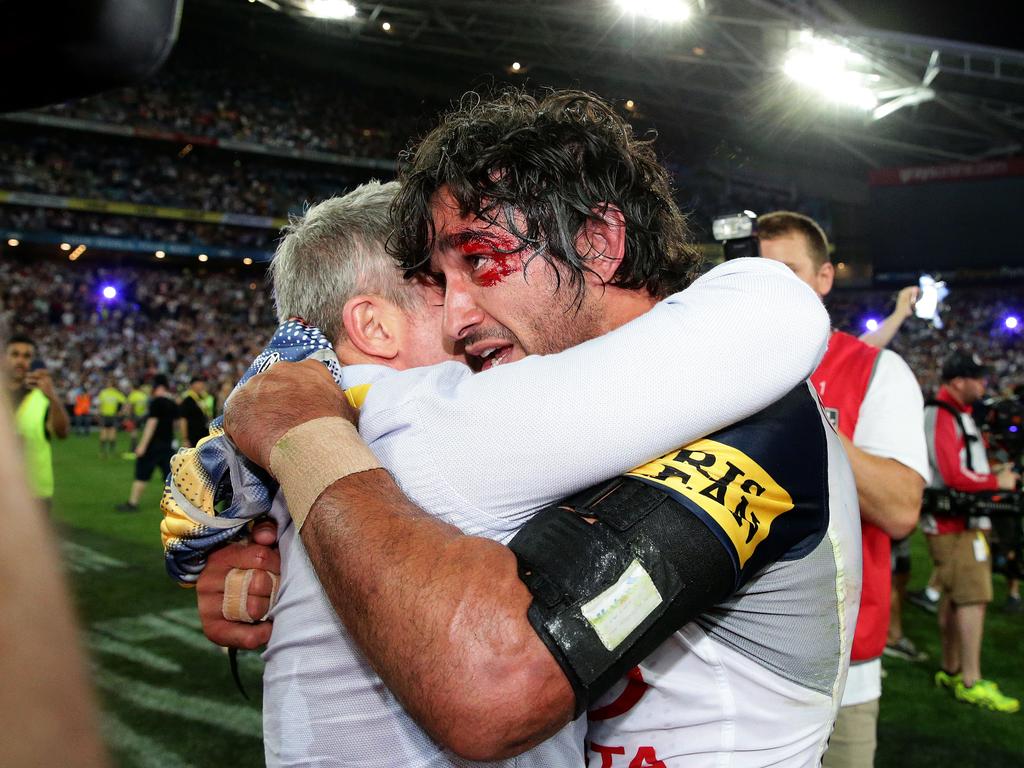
x=313, y=456
x=608, y=593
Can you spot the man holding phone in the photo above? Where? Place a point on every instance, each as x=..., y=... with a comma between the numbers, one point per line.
x=38, y=411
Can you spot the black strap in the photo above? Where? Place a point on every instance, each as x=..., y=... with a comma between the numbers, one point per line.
x=956, y=414
x=233, y=663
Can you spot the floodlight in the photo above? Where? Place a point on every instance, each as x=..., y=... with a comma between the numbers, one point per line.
x=831, y=69
x=659, y=10
x=516, y=66
x=871, y=324
x=159, y=254
x=14, y=242
x=331, y=9
x=1011, y=322
x=65, y=246
x=109, y=292
x=247, y=261
x=203, y=257
x=386, y=26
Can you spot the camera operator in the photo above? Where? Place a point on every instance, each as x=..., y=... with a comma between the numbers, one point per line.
x=874, y=401
x=958, y=546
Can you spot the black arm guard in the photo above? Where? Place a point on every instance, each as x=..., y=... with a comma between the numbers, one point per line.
x=606, y=594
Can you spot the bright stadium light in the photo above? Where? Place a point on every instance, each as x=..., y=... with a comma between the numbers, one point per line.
x=871, y=324
x=14, y=242
x=331, y=9
x=659, y=10
x=386, y=26
x=203, y=257
x=1011, y=322
x=109, y=292
x=159, y=254
x=65, y=246
x=247, y=261
x=832, y=70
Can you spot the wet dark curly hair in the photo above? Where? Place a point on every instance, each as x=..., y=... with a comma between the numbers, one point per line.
x=557, y=161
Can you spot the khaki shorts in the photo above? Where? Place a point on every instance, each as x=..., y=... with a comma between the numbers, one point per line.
x=962, y=577
x=854, y=739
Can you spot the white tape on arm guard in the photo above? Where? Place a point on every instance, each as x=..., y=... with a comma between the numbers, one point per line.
x=313, y=456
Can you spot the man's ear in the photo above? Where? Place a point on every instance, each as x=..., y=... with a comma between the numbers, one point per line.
x=372, y=326
x=825, y=277
x=601, y=242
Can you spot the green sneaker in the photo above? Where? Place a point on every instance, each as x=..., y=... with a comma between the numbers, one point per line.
x=986, y=694
x=945, y=680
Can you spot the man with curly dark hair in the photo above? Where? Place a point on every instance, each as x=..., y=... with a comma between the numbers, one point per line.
x=549, y=225
x=542, y=171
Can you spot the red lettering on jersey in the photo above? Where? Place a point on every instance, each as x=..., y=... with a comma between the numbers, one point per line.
x=606, y=753
x=631, y=694
x=646, y=758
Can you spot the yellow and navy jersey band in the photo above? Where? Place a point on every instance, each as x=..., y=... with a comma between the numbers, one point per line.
x=760, y=485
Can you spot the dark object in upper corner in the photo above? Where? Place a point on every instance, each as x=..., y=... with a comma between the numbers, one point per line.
x=52, y=52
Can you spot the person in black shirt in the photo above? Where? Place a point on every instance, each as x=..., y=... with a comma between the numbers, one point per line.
x=194, y=413
x=154, y=448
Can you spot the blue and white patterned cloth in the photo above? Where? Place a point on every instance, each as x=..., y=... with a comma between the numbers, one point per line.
x=213, y=491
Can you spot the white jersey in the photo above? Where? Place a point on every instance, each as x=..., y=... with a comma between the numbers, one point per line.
x=485, y=452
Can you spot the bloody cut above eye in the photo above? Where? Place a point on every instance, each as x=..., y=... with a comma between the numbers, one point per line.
x=503, y=254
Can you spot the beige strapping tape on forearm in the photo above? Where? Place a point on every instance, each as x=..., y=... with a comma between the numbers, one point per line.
x=313, y=456
x=236, y=595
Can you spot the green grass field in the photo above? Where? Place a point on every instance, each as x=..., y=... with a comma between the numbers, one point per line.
x=169, y=701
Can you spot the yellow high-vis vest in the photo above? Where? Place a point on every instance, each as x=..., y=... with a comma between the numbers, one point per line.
x=30, y=421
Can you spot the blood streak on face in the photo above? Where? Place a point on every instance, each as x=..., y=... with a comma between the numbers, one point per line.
x=502, y=256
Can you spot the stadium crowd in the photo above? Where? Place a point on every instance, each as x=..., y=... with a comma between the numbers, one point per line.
x=259, y=106
x=162, y=173
x=160, y=231
x=165, y=320
x=973, y=320
x=161, y=321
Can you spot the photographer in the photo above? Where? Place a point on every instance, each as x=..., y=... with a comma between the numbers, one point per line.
x=38, y=412
x=963, y=565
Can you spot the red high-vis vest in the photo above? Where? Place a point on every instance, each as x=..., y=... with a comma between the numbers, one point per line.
x=841, y=382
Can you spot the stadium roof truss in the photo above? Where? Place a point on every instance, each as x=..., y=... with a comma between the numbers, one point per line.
x=720, y=73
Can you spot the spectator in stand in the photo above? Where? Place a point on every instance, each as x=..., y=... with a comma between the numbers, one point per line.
x=960, y=552
x=111, y=402
x=195, y=412
x=155, y=447
x=39, y=414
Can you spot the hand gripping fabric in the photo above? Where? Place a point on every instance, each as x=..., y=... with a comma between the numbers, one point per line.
x=608, y=592
x=213, y=491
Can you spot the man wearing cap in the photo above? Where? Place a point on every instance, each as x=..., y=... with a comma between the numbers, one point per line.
x=963, y=567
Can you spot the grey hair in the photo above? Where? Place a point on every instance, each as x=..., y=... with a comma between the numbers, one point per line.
x=335, y=251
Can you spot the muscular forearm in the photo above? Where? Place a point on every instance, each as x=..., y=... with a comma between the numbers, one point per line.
x=889, y=492
x=441, y=616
